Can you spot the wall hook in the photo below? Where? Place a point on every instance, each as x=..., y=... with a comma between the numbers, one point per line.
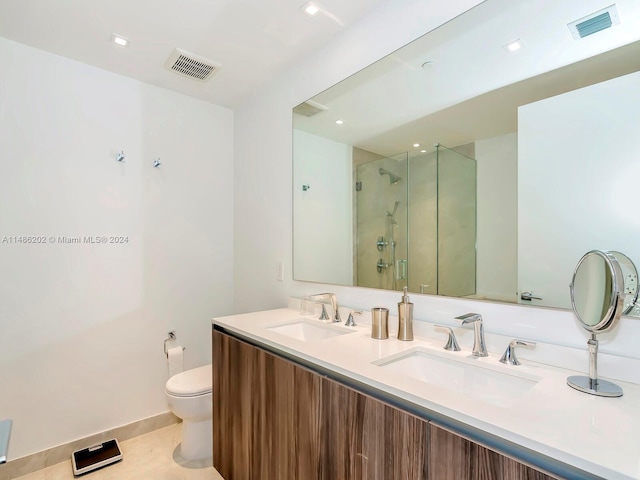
x=306, y=187
x=120, y=156
x=156, y=162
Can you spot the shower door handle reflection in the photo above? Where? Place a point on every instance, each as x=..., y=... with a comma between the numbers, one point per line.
x=401, y=269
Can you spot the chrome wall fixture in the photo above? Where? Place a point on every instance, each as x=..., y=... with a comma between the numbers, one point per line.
x=528, y=296
x=171, y=336
x=120, y=156
x=382, y=243
x=382, y=266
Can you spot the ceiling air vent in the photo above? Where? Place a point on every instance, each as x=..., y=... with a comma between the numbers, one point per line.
x=309, y=108
x=594, y=23
x=191, y=65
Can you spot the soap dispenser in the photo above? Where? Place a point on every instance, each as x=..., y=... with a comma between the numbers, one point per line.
x=405, y=318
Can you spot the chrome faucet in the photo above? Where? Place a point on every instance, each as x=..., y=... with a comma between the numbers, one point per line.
x=334, y=304
x=479, y=347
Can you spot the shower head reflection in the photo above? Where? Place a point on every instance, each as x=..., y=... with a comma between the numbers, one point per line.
x=393, y=179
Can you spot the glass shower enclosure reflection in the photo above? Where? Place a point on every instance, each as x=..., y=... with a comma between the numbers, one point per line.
x=415, y=222
x=442, y=223
x=380, y=221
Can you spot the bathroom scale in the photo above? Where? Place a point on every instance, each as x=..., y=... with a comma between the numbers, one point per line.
x=97, y=456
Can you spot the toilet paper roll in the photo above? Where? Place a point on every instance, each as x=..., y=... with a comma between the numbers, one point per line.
x=175, y=360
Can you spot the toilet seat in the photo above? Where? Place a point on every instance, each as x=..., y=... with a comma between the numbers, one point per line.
x=191, y=383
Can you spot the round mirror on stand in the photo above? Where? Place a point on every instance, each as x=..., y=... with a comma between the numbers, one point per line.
x=603, y=288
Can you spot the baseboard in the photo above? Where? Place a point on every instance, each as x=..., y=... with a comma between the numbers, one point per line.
x=46, y=458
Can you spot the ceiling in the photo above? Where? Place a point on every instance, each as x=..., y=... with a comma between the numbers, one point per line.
x=253, y=40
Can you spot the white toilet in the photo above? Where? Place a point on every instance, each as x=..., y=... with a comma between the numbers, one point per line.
x=190, y=397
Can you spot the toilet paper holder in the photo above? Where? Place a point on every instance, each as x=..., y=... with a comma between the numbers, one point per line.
x=172, y=337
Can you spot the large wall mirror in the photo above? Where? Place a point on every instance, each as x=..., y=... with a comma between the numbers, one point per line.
x=479, y=161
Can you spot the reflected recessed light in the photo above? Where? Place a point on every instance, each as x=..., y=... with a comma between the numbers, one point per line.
x=423, y=151
x=513, y=46
x=310, y=8
x=416, y=145
x=339, y=121
x=119, y=40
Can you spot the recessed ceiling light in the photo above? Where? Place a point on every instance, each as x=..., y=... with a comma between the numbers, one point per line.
x=513, y=46
x=428, y=65
x=339, y=121
x=119, y=40
x=423, y=151
x=310, y=8
x=416, y=145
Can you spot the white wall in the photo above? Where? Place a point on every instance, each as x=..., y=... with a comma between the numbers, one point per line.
x=497, y=237
x=82, y=326
x=593, y=131
x=325, y=208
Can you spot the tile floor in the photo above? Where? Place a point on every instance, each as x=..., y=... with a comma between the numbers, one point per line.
x=146, y=457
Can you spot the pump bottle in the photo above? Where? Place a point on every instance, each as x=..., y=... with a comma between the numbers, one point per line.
x=405, y=318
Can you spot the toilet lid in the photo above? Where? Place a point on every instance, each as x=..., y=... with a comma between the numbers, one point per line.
x=189, y=383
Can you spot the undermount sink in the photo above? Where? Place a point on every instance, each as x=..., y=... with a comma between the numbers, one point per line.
x=494, y=385
x=309, y=330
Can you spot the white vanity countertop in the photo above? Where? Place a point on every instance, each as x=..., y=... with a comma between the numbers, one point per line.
x=595, y=434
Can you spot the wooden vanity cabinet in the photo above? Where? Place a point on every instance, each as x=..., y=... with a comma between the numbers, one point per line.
x=364, y=438
x=275, y=420
x=452, y=457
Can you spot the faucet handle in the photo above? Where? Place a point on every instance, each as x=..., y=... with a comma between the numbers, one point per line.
x=509, y=356
x=350, y=322
x=323, y=314
x=452, y=343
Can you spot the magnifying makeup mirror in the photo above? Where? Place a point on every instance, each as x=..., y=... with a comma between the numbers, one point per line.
x=603, y=288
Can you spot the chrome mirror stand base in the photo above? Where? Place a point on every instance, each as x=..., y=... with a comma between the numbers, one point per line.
x=599, y=387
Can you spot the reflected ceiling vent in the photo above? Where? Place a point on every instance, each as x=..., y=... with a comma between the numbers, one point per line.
x=191, y=65
x=310, y=108
x=594, y=23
